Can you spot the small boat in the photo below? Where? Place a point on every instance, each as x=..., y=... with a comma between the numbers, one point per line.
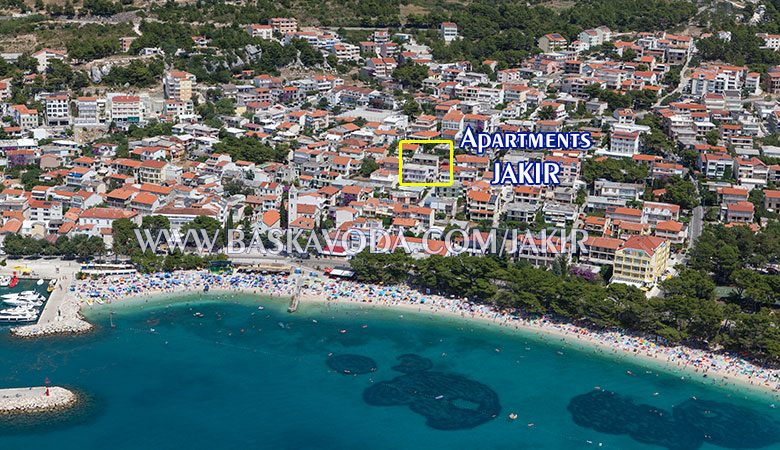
x=39, y=282
x=52, y=282
x=49, y=288
x=13, y=282
x=439, y=397
x=5, y=281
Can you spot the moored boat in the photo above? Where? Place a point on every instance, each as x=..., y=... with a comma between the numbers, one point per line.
x=20, y=317
x=22, y=302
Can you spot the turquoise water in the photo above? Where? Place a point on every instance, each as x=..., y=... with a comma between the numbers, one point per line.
x=164, y=378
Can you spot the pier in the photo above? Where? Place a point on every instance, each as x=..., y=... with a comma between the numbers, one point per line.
x=32, y=399
x=296, y=298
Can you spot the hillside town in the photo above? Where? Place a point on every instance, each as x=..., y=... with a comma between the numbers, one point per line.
x=681, y=142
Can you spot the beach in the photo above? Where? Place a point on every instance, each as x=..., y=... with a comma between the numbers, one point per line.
x=709, y=367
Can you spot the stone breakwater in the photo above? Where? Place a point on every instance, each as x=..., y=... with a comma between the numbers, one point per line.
x=61, y=315
x=35, y=399
x=66, y=326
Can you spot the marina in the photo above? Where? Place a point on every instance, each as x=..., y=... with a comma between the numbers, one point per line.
x=22, y=303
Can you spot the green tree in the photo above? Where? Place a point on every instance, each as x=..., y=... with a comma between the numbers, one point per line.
x=411, y=75
x=368, y=166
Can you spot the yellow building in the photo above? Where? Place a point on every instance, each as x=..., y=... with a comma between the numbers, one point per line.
x=152, y=172
x=641, y=260
x=552, y=42
x=178, y=85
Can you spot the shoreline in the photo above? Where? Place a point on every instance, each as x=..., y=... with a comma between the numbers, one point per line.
x=164, y=298
x=719, y=370
x=571, y=338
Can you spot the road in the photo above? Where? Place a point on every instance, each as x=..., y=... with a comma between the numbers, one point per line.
x=309, y=264
x=683, y=81
x=696, y=225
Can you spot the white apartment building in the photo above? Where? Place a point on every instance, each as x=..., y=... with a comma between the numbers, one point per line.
x=91, y=111
x=716, y=79
x=126, y=109
x=346, y=52
x=26, y=118
x=448, y=31
x=45, y=211
x=178, y=108
x=261, y=31
x=595, y=36
x=57, y=111
x=622, y=144
x=45, y=55
x=714, y=165
x=418, y=173
x=771, y=41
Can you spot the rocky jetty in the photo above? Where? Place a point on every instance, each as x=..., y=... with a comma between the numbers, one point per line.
x=35, y=399
x=71, y=325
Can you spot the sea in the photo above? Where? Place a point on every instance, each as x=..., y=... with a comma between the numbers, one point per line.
x=239, y=372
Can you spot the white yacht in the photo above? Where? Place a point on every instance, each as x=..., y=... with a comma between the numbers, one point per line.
x=31, y=296
x=22, y=301
x=28, y=316
x=18, y=310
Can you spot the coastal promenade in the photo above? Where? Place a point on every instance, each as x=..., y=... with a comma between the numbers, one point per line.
x=35, y=399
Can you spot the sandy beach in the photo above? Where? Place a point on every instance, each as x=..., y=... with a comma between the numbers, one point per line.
x=704, y=367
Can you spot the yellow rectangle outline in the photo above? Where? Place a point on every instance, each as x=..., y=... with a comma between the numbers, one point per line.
x=422, y=141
